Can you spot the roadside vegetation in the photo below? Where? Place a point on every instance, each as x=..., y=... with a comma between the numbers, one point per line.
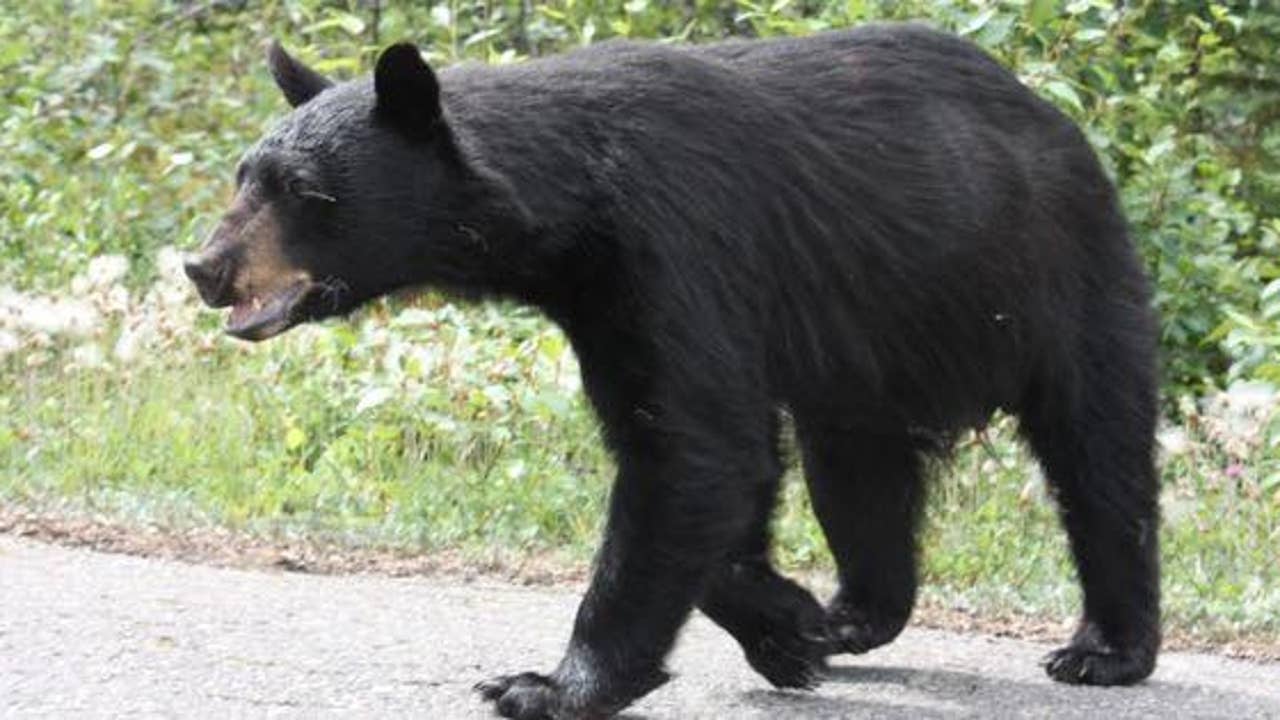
x=424, y=425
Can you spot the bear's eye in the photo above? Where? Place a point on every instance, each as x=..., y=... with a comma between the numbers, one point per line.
x=301, y=188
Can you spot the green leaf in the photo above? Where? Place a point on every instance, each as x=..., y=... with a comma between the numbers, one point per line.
x=996, y=32
x=978, y=22
x=348, y=23
x=1063, y=94
x=1040, y=12
x=100, y=151
x=482, y=36
x=294, y=438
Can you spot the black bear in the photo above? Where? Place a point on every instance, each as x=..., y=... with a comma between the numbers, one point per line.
x=879, y=231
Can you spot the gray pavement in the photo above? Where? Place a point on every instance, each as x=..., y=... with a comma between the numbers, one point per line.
x=84, y=634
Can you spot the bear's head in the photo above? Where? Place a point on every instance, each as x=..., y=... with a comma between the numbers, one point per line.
x=362, y=190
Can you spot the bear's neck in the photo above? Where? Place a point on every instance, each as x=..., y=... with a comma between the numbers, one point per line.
x=549, y=179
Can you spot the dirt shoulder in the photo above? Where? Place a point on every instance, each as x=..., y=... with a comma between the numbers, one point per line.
x=223, y=548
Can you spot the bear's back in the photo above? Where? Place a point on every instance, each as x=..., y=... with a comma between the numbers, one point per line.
x=782, y=189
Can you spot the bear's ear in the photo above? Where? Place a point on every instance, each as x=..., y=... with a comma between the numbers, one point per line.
x=408, y=95
x=298, y=82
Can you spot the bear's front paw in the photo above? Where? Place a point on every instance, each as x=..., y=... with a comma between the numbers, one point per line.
x=527, y=696
x=573, y=696
x=789, y=660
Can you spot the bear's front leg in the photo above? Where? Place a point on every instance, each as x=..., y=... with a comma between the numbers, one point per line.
x=670, y=522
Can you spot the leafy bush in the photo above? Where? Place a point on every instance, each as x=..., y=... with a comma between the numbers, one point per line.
x=124, y=120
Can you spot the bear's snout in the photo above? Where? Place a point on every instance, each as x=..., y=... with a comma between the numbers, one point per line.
x=212, y=277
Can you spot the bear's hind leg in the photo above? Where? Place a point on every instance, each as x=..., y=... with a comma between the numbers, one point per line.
x=1095, y=443
x=867, y=492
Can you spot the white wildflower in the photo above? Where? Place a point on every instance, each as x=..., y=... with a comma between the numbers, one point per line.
x=8, y=343
x=568, y=376
x=1177, y=507
x=128, y=344
x=88, y=356
x=1237, y=417
x=373, y=397
x=71, y=317
x=172, y=296
x=115, y=301
x=393, y=356
x=11, y=303
x=422, y=360
x=1033, y=489
x=570, y=381
x=1252, y=397
x=80, y=285
x=105, y=271
x=1173, y=440
x=169, y=266
x=1243, y=407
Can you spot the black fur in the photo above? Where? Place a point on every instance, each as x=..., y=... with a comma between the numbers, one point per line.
x=880, y=230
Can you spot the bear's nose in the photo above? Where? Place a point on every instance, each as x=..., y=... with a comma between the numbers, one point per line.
x=209, y=274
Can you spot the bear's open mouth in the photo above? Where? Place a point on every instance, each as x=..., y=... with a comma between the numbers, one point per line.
x=260, y=317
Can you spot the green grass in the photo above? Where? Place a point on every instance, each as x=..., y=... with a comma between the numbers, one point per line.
x=307, y=435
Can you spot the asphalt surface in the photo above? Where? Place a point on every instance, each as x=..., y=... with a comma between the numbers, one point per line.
x=85, y=634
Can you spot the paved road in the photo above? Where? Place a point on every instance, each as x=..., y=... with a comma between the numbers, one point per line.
x=84, y=634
